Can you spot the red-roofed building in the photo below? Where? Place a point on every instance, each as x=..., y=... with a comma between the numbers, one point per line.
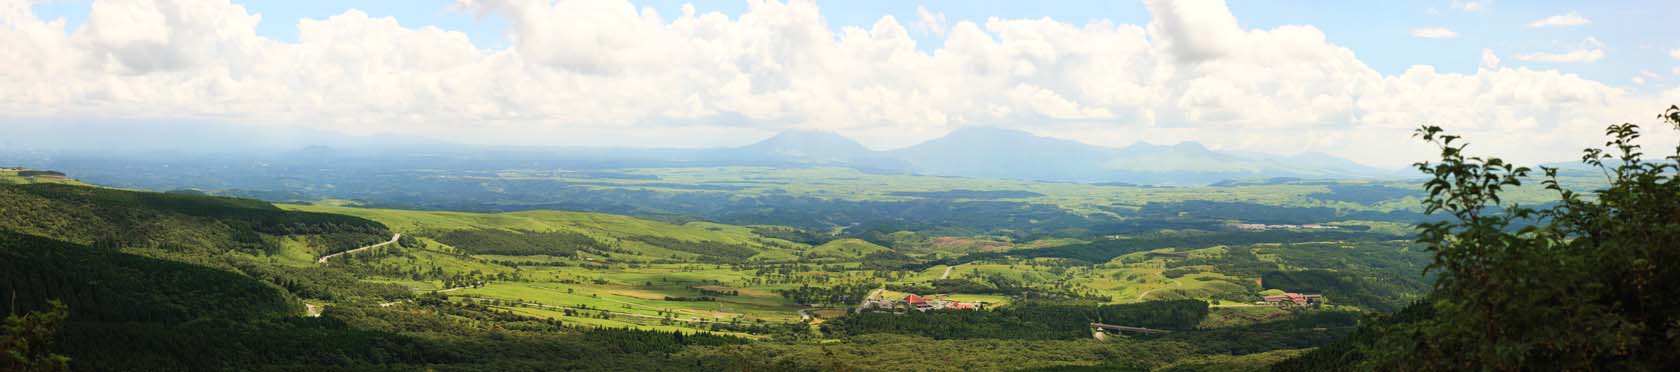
x=959, y=306
x=918, y=302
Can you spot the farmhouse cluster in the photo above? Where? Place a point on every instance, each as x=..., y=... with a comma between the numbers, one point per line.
x=1293, y=299
x=914, y=302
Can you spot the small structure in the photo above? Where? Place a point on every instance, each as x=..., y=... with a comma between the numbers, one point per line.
x=1100, y=331
x=914, y=302
x=917, y=302
x=1293, y=299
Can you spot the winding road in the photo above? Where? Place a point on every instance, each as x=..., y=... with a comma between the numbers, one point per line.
x=393, y=240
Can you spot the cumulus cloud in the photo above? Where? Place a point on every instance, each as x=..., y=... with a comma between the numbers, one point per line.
x=1194, y=30
x=607, y=72
x=1675, y=54
x=1434, y=33
x=1562, y=20
x=1573, y=56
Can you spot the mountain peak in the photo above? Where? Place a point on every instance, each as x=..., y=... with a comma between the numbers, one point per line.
x=808, y=145
x=1190, y=146
x=806, y=137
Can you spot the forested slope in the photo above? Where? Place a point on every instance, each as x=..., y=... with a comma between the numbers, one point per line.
x=191, y=224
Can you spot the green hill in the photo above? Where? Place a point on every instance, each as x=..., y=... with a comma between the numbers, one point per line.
x=16, y=176
x=109, y=286
x=846, y=249
x=562, y=233
x=177, y=223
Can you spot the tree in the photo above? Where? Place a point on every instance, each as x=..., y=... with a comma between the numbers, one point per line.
x=1588, y=282
x=28, y=337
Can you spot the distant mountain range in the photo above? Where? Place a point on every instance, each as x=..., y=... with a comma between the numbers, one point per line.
x=984, y=152
x=976, y=152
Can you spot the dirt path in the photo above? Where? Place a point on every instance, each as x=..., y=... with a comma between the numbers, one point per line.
x=311, y=310
x=947, y=274
x=393, y=240
x=1176, y=283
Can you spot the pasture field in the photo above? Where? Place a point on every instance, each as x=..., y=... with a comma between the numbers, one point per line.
x=610, y=270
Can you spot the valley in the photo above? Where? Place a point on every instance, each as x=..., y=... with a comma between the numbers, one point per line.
x=778, y=278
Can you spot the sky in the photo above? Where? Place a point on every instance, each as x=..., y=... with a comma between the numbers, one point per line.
x=1532, y=81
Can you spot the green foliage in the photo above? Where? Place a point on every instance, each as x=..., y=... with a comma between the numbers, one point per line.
x=25, y=344
x=1103, y=251
x=1029, y=321
x=1589, y=283
x=105, y=285
x=518, y=243
x=708, y=250
x=841, y=295
x=882, y=352
x=108, y=218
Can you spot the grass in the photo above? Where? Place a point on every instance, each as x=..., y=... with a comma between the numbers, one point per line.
x=608, y=228
x=846, y=249
x=634, y=287
x=11, y=176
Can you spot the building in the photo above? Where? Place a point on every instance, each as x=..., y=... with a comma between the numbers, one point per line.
x=914, y=302
x=1293, y=299
x=918, y=303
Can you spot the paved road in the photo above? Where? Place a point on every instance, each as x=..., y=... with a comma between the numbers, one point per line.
x=392, y=241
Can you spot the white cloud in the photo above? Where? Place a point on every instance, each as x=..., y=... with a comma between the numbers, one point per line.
x=1675, y=54
x=1194, y=30
x=1434, y=33
x=1638, y=80
x=930, y=22
x=1562, y=20
x=1592, y=43
x=1469, y=6
x=1490, y=61
x=1573, y=56
x=605, y=72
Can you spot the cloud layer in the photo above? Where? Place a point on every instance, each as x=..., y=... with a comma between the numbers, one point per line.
x=607, y=72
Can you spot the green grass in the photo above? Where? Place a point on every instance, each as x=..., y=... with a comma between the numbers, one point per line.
x=846, y=249
x=607, y=228
x=11, y=176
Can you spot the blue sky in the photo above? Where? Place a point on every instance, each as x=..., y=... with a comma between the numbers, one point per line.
x=1633, y=32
